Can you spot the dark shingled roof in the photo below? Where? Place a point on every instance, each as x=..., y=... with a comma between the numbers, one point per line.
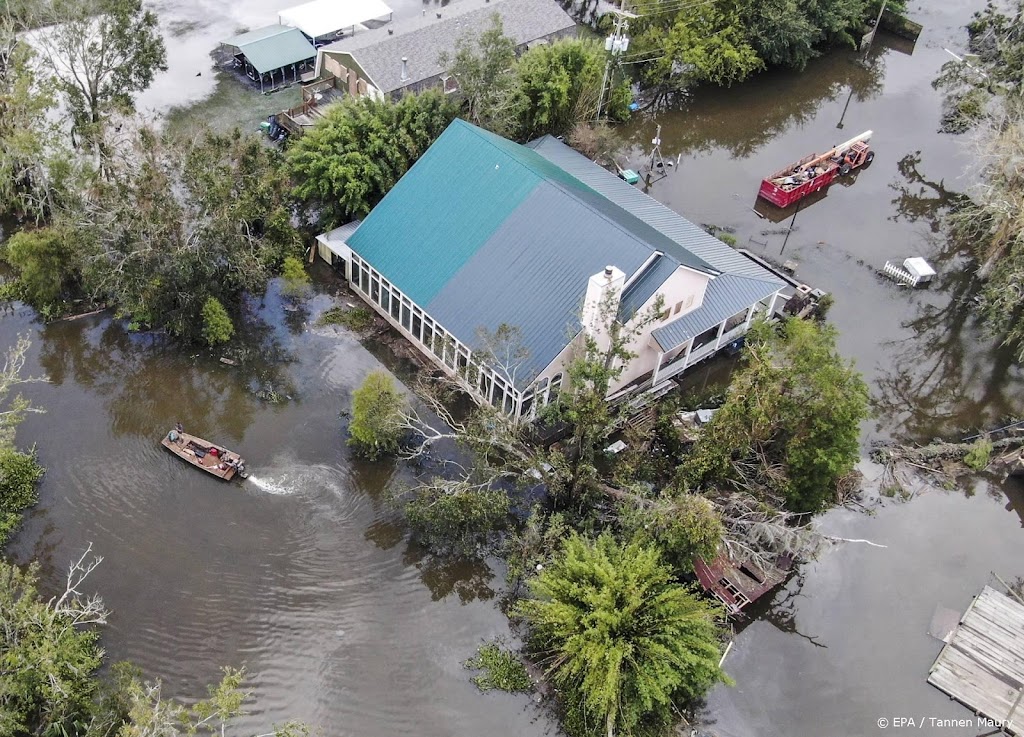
x=423, y=39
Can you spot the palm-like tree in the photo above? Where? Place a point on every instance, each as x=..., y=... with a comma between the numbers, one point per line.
x=620, y=639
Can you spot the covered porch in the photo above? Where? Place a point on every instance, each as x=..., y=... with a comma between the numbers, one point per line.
x=717, y=323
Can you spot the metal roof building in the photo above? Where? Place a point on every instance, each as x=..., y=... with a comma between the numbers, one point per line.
x=272, y=49
x=422, y=40
x=322, y=18
x=482, y=232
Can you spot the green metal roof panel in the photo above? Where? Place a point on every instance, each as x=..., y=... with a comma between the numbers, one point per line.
x=442, y=211
x=279, y=50
x=257, y=34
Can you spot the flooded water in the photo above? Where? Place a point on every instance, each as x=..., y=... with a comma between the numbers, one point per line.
x=299, y=574
x=846, y=644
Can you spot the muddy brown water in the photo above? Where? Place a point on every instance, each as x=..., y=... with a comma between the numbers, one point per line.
x=299, y=573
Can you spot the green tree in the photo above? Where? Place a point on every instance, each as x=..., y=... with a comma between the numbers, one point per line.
x=709, y=47
x=790, y=425
x=217, y=325
x=558, y=85
x=47, y=267
x=49, y=654
x=456, y=517
x=183, y=220
x=622, y=642
x=484, y=69
x=376, y=416
x=295, y=278
x=101, y=53
x=359, y=150
x=683, y=526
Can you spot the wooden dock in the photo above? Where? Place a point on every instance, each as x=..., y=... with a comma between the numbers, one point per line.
x=982, y=665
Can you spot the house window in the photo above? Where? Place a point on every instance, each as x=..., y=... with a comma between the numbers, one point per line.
x=679, y=306
x=406, y=314
x=556, y=387
x=450, y=84
x=364, y=279
x=375, y=288
x=417, y=325
x=666, y=314
x=396, y=306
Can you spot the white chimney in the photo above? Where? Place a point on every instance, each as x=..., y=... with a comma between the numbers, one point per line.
x=601, y=304
x=405, y=68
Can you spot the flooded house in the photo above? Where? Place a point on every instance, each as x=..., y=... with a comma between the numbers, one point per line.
x=483, y=234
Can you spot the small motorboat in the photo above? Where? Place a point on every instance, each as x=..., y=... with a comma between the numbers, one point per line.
x=221, y=462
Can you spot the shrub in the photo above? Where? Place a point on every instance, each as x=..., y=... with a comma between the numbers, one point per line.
x=978, y=456
x=501, y=669
x=295, y=278
x=356, y=318
x=19, y=476
x=217, y=326
x=376, y=411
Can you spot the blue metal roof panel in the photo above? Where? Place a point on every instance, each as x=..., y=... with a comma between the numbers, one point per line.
x=685, y=235
x=636, y=294
x=442, y=211
x=532, y=273
x=726, y=296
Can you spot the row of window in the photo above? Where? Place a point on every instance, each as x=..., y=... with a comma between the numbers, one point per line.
x=425, y=331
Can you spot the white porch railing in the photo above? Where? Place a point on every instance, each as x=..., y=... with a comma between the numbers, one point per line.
x=699, y=354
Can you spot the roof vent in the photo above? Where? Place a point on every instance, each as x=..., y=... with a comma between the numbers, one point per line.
x=405, y=68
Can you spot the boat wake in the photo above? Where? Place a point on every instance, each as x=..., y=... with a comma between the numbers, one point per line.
x=292, y=481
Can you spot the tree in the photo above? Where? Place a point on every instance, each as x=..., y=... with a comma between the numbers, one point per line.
x=683, y=526
x=622, y=642
x=376, y=416
x=456, y=517
x=181, y=220
x=558, y=85
x=217, y=326
x=790, y=425
x=101, y=53
x=49, y=653
x=484, y=69
x=14, y=409
x=709, y=47
x=48, y=271
x=295, y=279
x=20, y=474
x=359, y=150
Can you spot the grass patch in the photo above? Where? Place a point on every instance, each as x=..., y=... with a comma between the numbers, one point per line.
x=727, y=238
x=979, y=455
x=232, y=104
x=356, y=318
x=500, y=668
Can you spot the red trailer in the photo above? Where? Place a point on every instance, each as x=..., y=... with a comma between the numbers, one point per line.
x=816, y=171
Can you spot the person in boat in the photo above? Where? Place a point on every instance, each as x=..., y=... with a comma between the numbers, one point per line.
x=179, y=427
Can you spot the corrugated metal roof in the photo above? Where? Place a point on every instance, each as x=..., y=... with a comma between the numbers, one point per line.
x=324, y=17
x=341, y=234
x=687, y=236
x=725, y=296
x=278, y=50
x=257, y=34
x=532, y=273
x=424, y=38
x=636, y=294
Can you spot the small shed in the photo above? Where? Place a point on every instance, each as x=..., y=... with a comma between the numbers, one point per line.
x=273, y=55
x=324, y=20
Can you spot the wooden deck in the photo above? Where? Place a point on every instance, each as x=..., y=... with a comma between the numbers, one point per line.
x=982, y=665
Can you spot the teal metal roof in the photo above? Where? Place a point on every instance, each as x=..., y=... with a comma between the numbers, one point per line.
x=273, y=47
x=257, y=34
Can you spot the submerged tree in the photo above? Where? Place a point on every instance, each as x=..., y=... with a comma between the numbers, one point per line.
x=484, y=68
x=102, y=52
x=624, y=644
x=376, y=416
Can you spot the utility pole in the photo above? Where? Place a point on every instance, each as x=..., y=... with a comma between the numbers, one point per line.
x=871, y=36
x=614, y=45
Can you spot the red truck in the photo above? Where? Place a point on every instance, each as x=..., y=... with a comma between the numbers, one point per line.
x=816, y=171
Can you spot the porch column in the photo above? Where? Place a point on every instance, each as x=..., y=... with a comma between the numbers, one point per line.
x=750, y=316
x=657, y=368
x=718, y=338
x=686, y=356
x=771, y=308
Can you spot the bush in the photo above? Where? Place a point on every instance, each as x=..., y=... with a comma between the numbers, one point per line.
x=217, y=326
x=683, y=528
x=356, y=318
x=19, y=476
x=44, y=260
x=978, y=456
x=376, y=411
x=501, y=669
x=295, y=278
x=456, y=517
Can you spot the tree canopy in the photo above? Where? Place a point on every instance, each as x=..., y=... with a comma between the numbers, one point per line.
x=359, y=150
x=376, y=416
x=622, y=641
x=790, y=425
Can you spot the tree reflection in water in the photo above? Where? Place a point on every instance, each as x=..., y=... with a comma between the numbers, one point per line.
x=948, y=375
